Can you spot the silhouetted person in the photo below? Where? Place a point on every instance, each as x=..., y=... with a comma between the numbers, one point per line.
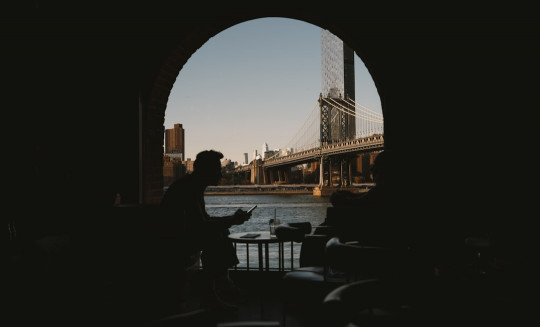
x=375, y=195
x=185, y=199
x=367, y=217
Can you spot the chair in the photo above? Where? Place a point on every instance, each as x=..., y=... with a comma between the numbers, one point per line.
x=385, y=285
x=199, y=317
x=369, y=302
x=480, y=248
x=293, y=232
x=361, y=262
x=253, y=323
x=311, y=274
x=343, y=263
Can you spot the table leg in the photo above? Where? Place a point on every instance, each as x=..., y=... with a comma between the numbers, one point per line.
x=292, y=254
x=247, y=256
x=267, y=256
x=279, y=257
x=235, y=266
x=282, y=255
x=260, y=257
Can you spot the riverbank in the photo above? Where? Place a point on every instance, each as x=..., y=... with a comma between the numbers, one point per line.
x=259, y=189
x=275, y=189
x=251, y=192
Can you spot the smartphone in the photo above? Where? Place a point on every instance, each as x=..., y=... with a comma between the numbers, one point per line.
x=251, y=209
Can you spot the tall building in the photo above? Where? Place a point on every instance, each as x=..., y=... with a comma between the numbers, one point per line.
x=338, y=79
x=174, y=140
x=173, y=159
x=264, y=150
x=246, y=158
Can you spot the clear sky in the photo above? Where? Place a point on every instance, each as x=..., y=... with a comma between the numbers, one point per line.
x=253, y=83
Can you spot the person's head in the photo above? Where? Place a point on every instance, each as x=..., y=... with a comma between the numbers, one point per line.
x=379, y=166
x=208, y=166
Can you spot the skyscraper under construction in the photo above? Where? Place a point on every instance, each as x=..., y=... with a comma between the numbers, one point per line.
x=338, y=81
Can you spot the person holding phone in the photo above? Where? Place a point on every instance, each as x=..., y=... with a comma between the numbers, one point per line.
x=202, y=233
x=251, y=209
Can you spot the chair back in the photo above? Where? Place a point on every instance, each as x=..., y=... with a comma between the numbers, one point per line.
x=312, y=252
x=360, y=262
x=293, y=231
x=198, y=317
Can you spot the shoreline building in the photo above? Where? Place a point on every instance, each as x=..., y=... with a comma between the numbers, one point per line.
x=175, y=141
x=264, y=150
x=174, y=161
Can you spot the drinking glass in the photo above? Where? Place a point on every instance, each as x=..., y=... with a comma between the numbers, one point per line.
x=273, y=224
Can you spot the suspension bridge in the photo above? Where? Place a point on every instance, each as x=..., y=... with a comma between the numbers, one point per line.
x=334, y=133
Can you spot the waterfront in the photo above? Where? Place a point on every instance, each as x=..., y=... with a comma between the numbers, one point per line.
x=288, y=208
x=276, y=189
x=258, y=189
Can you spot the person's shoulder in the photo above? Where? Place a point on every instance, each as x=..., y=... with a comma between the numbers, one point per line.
x=186, y=179
x=345, y=198
x=179, y=186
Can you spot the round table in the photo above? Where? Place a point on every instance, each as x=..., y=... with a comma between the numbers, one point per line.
x=263, y=238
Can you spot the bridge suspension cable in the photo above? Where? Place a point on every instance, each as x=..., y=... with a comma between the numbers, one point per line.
x=348, y=111
x=367, y=122
x=307, y=136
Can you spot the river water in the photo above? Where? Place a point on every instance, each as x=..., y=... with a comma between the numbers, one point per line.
x=287, y=207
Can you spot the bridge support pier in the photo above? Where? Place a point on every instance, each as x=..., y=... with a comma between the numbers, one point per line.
x=345, y=178
x=277, y=175
x=270, y=176
x=321, y=172
x=341, y=175
x=257, y=172
x=325, y=187
x=350, y=173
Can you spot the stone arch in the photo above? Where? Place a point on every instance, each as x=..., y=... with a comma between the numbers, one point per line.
x=154, y=103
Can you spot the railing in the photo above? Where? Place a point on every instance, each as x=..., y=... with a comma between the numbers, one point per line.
x=251, y=257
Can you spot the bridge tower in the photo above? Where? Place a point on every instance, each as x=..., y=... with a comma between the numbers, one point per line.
x=325, y=125
x=335, y=125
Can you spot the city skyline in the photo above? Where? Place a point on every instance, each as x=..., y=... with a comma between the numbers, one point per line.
x=251, y=84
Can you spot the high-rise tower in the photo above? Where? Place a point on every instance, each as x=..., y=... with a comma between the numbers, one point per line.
x=174, y=140
x=338, y=81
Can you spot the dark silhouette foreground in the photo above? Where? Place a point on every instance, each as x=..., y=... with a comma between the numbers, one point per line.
x=202, y=233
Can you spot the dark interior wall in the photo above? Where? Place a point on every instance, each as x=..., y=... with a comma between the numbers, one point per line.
x=75, y=100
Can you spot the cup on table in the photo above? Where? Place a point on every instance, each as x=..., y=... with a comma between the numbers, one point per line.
x=273, y=224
